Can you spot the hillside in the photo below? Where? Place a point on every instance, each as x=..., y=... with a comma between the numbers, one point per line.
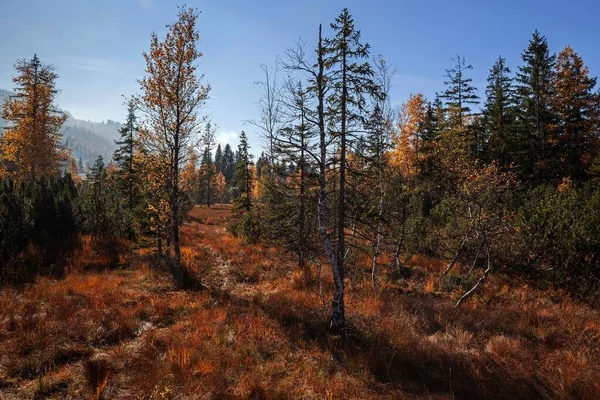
x=246, y=328
x=86, y=139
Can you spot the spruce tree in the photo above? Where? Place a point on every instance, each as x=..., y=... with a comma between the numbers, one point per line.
x=460, y=94
x=124, y=156
x=228, y=164
x=219, y=158
x=535, y=89
x=351, y=81
x=243, y=175
x=499, y=113
x=208, y=170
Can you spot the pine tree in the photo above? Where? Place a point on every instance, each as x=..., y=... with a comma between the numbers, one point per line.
x=535, y=89
x=124, y=156
x=575, y=135
x=31, y=145
x=500, y=113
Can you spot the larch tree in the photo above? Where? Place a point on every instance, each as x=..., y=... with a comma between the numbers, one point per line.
x=173, y=93
x=575, y=134
x=351, y=82
x=408, y=140
x=32, y=142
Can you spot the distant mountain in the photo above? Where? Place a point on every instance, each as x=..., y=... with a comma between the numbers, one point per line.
x=86, y=139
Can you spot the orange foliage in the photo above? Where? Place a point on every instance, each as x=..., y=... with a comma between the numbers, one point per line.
x=408, y=139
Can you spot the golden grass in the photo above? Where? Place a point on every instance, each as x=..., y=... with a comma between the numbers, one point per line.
x=257, y=332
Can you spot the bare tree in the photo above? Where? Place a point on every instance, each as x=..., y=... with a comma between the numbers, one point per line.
x=270, y=111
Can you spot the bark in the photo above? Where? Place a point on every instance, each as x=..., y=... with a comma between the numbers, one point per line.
x=479, y=282
x=455, y=258
x=302, y=265
x=377, y=245
x=337, y=305
x=338, y=296
x=401, y=241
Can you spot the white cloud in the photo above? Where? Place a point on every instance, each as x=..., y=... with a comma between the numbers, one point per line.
x=225, y=137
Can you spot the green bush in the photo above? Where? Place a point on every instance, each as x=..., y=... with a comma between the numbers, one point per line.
x=39, y=215
x=559, y=237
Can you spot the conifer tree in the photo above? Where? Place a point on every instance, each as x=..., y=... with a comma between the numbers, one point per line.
x=407, y=154
x=228, y=164
x=459, y=93
x=535, y=89
x=575, y=135
x=208, y=168
x=351, y=82
x=295, y=148
x=124, y=156
x=219, y=158
x=500, y=113
x=243, y=175
x=31, y=145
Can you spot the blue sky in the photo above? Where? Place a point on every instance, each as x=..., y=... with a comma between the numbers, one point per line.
x=96, y=45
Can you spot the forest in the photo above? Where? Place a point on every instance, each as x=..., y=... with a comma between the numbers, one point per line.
x=446, y=248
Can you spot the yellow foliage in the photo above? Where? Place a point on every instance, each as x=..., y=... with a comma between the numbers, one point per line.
x=407, y=140
x=31, y=145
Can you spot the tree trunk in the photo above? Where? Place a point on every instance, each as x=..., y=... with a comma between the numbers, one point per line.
x=302, y=265
x=377, y=245
x=337, y=305
x=175, y=206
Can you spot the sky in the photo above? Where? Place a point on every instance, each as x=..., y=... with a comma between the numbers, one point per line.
x=96, y=45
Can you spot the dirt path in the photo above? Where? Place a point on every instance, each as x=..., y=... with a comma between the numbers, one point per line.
x=240, y=269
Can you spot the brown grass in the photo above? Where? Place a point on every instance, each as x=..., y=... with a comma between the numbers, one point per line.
x=256, y=332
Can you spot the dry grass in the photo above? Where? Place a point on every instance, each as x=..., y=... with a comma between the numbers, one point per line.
x=257, y=333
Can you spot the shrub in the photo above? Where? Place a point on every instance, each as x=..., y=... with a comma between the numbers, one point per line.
x=559, y=237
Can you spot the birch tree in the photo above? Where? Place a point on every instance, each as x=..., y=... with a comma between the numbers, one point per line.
x=173, y=93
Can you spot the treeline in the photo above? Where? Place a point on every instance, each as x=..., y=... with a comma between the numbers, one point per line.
x=510, y=182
